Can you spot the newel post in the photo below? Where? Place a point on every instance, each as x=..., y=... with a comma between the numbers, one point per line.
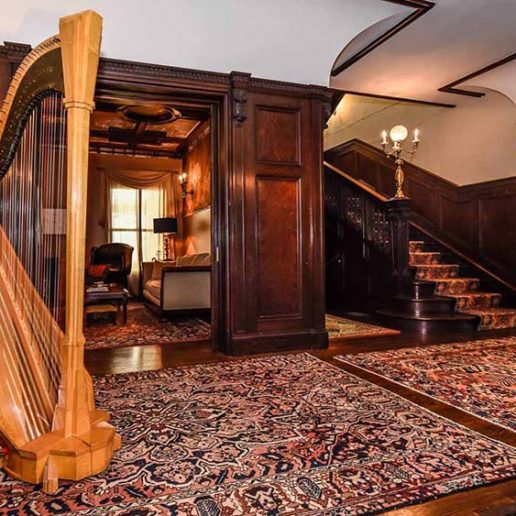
x=399, y=215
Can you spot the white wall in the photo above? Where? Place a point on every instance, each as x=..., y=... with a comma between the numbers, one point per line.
x=290, y=40
x=474, y=142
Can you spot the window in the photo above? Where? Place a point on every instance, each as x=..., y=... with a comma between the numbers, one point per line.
x=132, y=213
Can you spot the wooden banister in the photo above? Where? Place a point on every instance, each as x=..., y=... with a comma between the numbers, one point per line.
x=356, y=182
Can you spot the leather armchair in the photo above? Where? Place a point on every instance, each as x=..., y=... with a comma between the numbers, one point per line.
x=119, y=258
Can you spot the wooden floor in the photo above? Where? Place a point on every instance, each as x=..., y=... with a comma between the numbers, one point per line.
x=499, y=499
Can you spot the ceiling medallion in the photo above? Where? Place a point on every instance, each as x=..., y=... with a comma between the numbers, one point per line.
x=150, y=114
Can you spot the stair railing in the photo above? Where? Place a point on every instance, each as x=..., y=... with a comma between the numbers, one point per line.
x=381, y=226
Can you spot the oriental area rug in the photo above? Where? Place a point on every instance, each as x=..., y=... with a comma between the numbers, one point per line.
x=340, y=328
x=478, y=377
x=268, y=436
x=144, y=327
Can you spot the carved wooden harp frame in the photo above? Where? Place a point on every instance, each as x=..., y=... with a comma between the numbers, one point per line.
x=80, y=442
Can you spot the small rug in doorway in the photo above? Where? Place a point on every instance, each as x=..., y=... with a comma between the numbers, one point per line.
x=340, y=328
x=268, y=436
x=478, y=376
x=144, y=327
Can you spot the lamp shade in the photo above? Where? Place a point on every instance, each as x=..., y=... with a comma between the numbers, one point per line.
x=165, y=225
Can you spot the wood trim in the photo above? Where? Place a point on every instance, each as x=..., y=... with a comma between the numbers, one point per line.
x=360, y=184
x=400, y=99
x=450, y=88
x=187, y=268
x=421, y=7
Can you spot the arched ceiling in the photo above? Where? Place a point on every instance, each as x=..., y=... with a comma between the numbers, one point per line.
x=501, y=79
x=450, y=41
x=290, y=40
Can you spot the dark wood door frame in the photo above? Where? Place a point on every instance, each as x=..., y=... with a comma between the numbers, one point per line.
x=119, y=80
x=232, y=98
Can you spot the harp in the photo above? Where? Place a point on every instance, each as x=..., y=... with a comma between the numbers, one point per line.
x=48, y=420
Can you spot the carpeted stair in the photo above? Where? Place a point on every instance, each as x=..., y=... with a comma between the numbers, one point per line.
x=469, y=299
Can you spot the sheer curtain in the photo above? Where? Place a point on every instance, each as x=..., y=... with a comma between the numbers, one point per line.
x=131, y=209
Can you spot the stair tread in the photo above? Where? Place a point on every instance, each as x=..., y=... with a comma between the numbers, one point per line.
x=429, y=316
x=435, y=265
x=475, y=293
x=478, y=311
x=459, y=278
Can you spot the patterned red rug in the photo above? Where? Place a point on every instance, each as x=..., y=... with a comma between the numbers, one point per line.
x=145, y=327
x=276, y=435
x=477, y=376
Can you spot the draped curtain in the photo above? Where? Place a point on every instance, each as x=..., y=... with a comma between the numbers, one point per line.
x=133, y=200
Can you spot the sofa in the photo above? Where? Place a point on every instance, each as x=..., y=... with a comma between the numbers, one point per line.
x=177, y=286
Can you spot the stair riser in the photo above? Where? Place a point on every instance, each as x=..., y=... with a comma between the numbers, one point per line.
x=423, y=307
x=477, y=303
x=434, y=326
x=428, y=273
x=456, y=287
x=497, y=323
x=416, y=247
x=424, y=259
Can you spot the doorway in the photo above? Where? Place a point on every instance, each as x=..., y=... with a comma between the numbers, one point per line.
x=153, y=187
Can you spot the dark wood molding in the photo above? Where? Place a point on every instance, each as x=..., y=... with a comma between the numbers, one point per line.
x=450, y=88
x=268, y=138
x=400, y=99
x=470, y=218
x=420, y=7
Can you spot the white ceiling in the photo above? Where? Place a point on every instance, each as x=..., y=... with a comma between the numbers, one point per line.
x=450, y=41
x=291, y=40
x=502, y=79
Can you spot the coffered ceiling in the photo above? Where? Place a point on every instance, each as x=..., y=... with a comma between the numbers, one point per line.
x=125, y=128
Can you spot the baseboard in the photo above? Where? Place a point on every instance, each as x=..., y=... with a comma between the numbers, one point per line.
x=249, y=344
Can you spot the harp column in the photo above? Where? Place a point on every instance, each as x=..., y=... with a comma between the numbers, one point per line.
x=80, y=36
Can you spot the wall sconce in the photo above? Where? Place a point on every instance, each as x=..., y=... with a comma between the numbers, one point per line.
x=183, y=179
x=398, y=134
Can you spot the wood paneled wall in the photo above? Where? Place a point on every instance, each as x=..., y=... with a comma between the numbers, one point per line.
x=197, y=164
x=478, y=219
x=277, y=283
x=266, y=197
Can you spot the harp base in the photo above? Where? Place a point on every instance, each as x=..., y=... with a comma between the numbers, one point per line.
x=53, y=457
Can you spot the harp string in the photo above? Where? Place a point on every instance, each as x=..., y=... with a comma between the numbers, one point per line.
x=32, y=243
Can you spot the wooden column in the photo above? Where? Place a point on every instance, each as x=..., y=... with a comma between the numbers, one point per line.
x=80, y=47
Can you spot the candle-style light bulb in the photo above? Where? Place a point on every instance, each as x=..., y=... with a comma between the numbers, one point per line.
x=416, y=136
x=384, y=137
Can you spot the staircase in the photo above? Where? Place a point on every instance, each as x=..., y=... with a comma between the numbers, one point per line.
x=382, y=260
x=452, y=280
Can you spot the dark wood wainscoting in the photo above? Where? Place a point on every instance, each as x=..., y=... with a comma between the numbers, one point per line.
x=477, y=219
x=276, y=273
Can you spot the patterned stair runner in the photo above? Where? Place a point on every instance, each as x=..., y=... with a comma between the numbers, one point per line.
x=465, y=291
